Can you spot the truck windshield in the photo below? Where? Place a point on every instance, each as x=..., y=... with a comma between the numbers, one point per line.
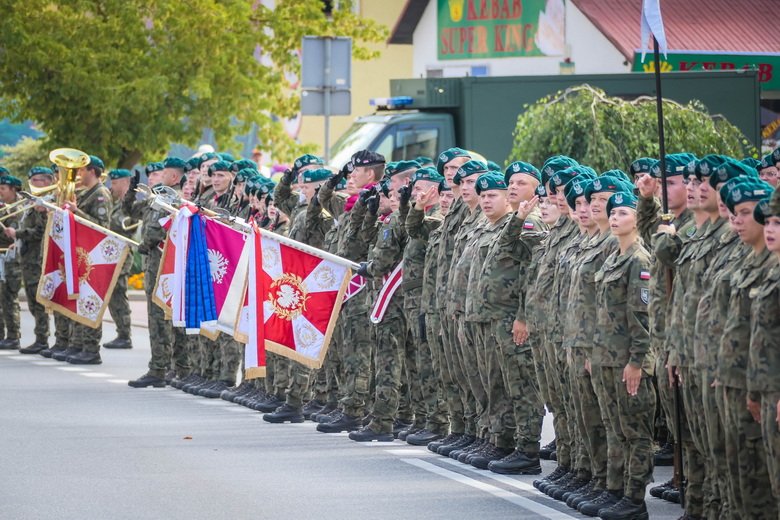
x=358, y=137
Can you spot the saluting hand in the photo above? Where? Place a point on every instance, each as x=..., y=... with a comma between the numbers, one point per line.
x=526, y=207
x=647, y=185
x=425, y=199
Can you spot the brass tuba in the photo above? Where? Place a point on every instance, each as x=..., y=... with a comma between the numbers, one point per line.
x=68, y=161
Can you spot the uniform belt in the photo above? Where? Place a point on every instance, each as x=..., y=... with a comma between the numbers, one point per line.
x=411, y=284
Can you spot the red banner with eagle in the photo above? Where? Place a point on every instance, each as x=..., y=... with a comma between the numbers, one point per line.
x=81, y=265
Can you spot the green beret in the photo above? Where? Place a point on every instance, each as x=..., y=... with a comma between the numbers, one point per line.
x=448, y=155
x=443, y=186
x=119, y=173
x=676, y=164
x=493, y=166
x=521, y=167
x=175, y=163
x=242, y=164
x=390, y=169
x=250, y=188
x=576, y=188
x=467, y=169
x=245, y=174
x=705, y=166
x=424, y=161
x=209, y=156
x=607, y=184
x=642, y=165
x=730, y=169
x=37, y=170
x=766, y=162
x=316, y=175
x=402, y=166
x=620, y=174
x=426, y=174
x=490, y=181
x=776, y=155
x=621, y=199
x=10, y=180
x=96, y=163
x=4, y=171
x=563, y=177
x=219, y=166
x=341, y=186
x=744, y=189
x=193, y=163
x=154, y=167
x=555, y=164
x=226, y=156
x=541, y=190
x=763, y=210
x=306, y=160
x=751, y=162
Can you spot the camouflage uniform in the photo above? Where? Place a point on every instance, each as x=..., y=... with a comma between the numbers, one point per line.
x=94, y=204
x=32, y=227
x=10, y=285
x=118, y=305
x=622, y=338
x=579, y=335
x=744, y=446
x=514, y=402
x=764, y=366
x=453, y=383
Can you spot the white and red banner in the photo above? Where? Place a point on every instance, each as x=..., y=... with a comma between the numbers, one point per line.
x=294, y=298
x=228, y=261
x=80, y=267
x=391, y=284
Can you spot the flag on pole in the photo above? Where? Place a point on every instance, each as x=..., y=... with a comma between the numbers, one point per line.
x=295, y=294
x=162, y=294
x=254, y=353
x=199, y=303
x=652, y=26
x=91, y=258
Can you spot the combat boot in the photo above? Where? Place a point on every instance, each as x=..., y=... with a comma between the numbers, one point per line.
x=672, y=495
x=399, y=426
x=606, y=500
x=49, y=352
x=574, y=501
x=194, y=381
x=63, y=355
x=626, y=509
x=466, y=448
x=557, y=473
x=169, y=376
x=345, y=423
x=665, y=455
x=147, y=380
x=330, y=416
x=573, y=485
x=234, y=391
x=85, y=358
x=249, y=398
x=311, y=408
x=196, y=388
x=562, y=482
x=118, y=343
x=215, y=390
x=35, y=348
x=658, y=491
x=366, y=434
x=10, y=344
x=407, y=432
x=489, y=454
x=449, y=439
x=583, y=490
x=283, y=414
x=327, y=409
x=422, y=437
x=269, y=404
x=545, y=451
x=516, y=463
x=472, y=450
x=461, y=443
x=559, y=479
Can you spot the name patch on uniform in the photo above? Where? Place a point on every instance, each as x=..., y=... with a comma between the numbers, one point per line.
x=644, y=295
x=644, y=275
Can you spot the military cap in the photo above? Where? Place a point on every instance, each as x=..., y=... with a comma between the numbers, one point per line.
x=621, y=199
x=576, y=188
x=4, y=171
x=250, y=188
x=619, y=174
x=153, y=167
x=764, y=210
x=522, y=167
x=193, y=163
x=367, y=158
x=676, y=164
x=426, y=174
x=306, y=160
x=541, y=190
x=493, y=166
x=705, y=166
x=766, y=162
x=776, y=155
x=730, y=169
x=402, y=166
x=555, y=164
x=226, y=156
x=562, y=177
x=491, y=180
x=119, y=173
x=424, y=161
x=36, y=170
x=341, y=186
x=467, y=169
x=390, y=169
x=316, y=175
x=448, y=155
x=96, y=163
x=642, y=165
x=10, y=180
x=219, y=166
x=751, y=162
x=443, y=186
x=209, y=156
x=175, y=163
x=607, y=184
x=744, y=189
x=245, y=174
x=243, y=163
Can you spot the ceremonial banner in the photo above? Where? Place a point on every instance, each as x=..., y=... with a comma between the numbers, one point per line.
x=652, y=25
x=228, y=260
x=391, y=284
x=96, y=262
x=199, y=303
x=163, y=292
x=179, y=236
x=294, y=298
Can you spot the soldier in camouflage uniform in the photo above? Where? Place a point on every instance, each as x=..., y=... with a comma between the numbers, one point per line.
x=29, y=236
x=11, y=280
x=745, y=453
x=118, y=305
x=160, y=329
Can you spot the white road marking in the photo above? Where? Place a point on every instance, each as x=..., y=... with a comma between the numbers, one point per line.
x=95, y=374
x=410, y=452
x=45, y=363
x=118, y=381
x=72, y=369
x=7, y=352
x=525, y=503
x=21, y=357
x=499, y=478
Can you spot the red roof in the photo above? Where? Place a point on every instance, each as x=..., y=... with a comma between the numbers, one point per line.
x=728, y=26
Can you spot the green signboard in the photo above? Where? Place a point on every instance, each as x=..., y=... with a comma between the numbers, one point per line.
x=767, y=65
x=469, y=29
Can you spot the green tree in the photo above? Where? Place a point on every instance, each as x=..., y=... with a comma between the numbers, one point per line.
x=22, y=156
x=608, y=132
x=123, y=79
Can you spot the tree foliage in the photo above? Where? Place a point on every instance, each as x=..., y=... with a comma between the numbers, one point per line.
x=608, y=132
x=22, y=156
x=125, y=78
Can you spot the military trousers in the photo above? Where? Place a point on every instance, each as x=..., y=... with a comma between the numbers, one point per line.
x=300, y=378
x=514, y=378
x=540, y=366
x=391, y=337
x=160, y=329
x=588, y=419
x=356, y=358
x=560, y=421
x=429, y=363
x=207, y=348
x=31, y=274
x=631, y=420
x=665, y=393
x=230, y=358
x=62, y=330
x=712, y=401
x=575, y=362
x=86, y=338
x=771, y=435
x=182, y=352
x=747, y=461
x=413, y=372
x=9, y=299
x=451, y=375
x=698, y=468
x=329, y=390
x=281, y=371
x=118, y=305
x=476, y=397
x=601, y=379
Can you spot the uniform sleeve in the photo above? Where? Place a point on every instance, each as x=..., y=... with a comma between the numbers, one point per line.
x=637, y=298
x=330, y=201
x=369, y=230
x=667, y=248
x=388, y=250
x=414, y=224
x=648, y=214
x=285, y=199
x=32, y=228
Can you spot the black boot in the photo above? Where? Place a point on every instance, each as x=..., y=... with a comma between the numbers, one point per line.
x=606, y=500
x=559, y=473
x=35, y=348
x=672, y=495
x=10, y=344
x=449, y=439
x=665, y=455
x=283, y=414
x=118, y=343
x=215, y=390
x=327, y=409
x=422, y=437
x=366, y=434
x=545, y=451
x=658, y=491
x=464, y=441
x=626, y=509
x=517, y=463
x=147, y=380
x=490, y=454
x=268, y=405
x=311, y=408
x=85, y=358
x=345, y=423
x=63, y=355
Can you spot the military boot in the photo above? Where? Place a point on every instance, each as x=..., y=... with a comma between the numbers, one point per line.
x=575, y=500
x=658, y=491
x=422, y=437
x=49, y=352
x=545, y=451
x=327, y=409
x=562, y=482
x=553, y=479
x=62, y=355
x=216, y=390
x=399, y=426
x=196, y=380
x=461, y=443
x=466, y=448
x=35, y=348
x=472, y=450
x=311, y=408
x=283, y=414
x=268, y=405
x=231, y=393
x=449, y=439
x=563, y=492
x=345, y=423
x=147, y=380
x=85, y=358
x=672, y=495
x=579, y=492
x=407, y=432
x=489, y=454
x=366, y=434
x=10, y=344
x=118, y=343
x=665, y=455
x=606, y=500
x=517, y=463
x=626, y=509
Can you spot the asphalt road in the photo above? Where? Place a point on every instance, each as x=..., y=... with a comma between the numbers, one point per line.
x=78, y=443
